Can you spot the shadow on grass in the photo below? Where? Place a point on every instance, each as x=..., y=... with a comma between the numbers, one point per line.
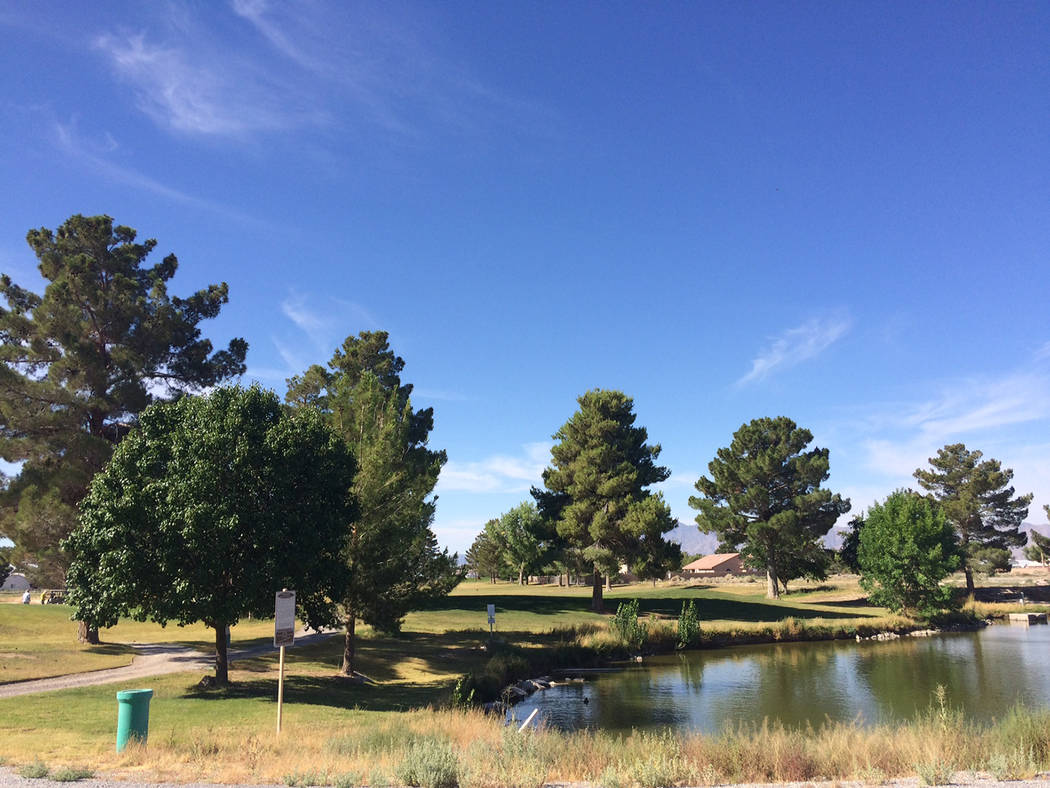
x=114, y=649
x=709, y=606
x=334, y=691
x=1009, y=593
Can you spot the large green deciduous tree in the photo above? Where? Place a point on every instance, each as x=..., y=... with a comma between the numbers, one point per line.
x=206, y=509
x=596, y=488
x=978, y=501
x=77, y=365
x=392, y=557
x=765, y=498
x=907, y=546
x=520, y=536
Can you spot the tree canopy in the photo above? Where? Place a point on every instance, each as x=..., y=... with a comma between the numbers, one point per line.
x=78, y=363
x=596, y=488
x=765, y=498
x=519, y=534
x=484, y=556
x=206, y=509
x=1038, y=548
x=978, y=501
x=907, y=546
x=391, y=554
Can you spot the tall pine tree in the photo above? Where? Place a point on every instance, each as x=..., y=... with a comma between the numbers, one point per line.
x=765, y=498
x=392, y=555
x=977, y=500
x=78, y=363
x=596, y=488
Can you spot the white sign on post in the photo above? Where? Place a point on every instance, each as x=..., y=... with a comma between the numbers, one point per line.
x=492, y=614
x=284, y=619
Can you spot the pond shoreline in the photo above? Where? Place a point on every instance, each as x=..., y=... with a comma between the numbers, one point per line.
x=792, y=631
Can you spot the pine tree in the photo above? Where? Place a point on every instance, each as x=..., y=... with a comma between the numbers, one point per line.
x=392, y=555
x=596, y=488
x=1038, y=548
x=765, y=498
x=78, y=364
x=977, y=500
x=484, y=556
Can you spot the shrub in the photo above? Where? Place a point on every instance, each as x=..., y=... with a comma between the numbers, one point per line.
x=463, y=692
x=688, y=625
x=429, y=764
x=34, y=771
x=626, y=625
x=69, y=774
x=307, y=778
x=934, y=772
x=348, y=780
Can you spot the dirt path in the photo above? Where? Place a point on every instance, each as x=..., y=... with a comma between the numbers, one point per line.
x=153, y=659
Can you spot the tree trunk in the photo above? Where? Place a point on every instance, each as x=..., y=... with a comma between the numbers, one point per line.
x=521, y=575
x=597, y=604
x=222, y=660
x=608, y=582
x=86, y=634
x=772, y=584
x=970, y=587
x=348, y=645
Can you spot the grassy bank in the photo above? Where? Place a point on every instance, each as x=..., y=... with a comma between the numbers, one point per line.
x=337, y=729
x=448, y=748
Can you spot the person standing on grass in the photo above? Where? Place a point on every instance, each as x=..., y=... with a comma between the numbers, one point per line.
x=25, y=597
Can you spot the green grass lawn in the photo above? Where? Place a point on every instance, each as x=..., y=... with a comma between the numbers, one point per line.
x=40, y=640
x=414, y=669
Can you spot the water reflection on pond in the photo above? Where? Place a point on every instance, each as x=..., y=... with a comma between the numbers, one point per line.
x=984, y=673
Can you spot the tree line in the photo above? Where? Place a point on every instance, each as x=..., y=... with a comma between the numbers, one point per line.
x=765, y=499
x=154, y=488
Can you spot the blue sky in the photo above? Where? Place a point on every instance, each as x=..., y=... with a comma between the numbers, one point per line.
x=836, y=212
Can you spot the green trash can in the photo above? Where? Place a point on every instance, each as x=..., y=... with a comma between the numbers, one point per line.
x=132, y=716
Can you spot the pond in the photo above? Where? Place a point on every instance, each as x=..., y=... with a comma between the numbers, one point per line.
x=984, y=674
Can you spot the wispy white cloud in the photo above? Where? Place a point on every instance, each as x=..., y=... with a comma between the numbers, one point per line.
x=352, y=313
x=317, y=325
x=999, y=415
x=95, y=155
x=457, y=533
x=295, y=361
x=972, y=407
x=795, y=346
x=498, y=473
x=199, y=92
x=276, y=67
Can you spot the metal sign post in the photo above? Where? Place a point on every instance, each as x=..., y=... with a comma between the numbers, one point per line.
x=283, y=635
x=492, y=619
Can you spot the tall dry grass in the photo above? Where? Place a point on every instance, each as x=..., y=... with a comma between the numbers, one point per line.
x=441, y=749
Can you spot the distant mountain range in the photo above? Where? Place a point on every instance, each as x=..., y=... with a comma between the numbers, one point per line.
x=693, y=542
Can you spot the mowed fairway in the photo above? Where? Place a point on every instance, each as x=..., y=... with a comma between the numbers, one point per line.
x=413, y=669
